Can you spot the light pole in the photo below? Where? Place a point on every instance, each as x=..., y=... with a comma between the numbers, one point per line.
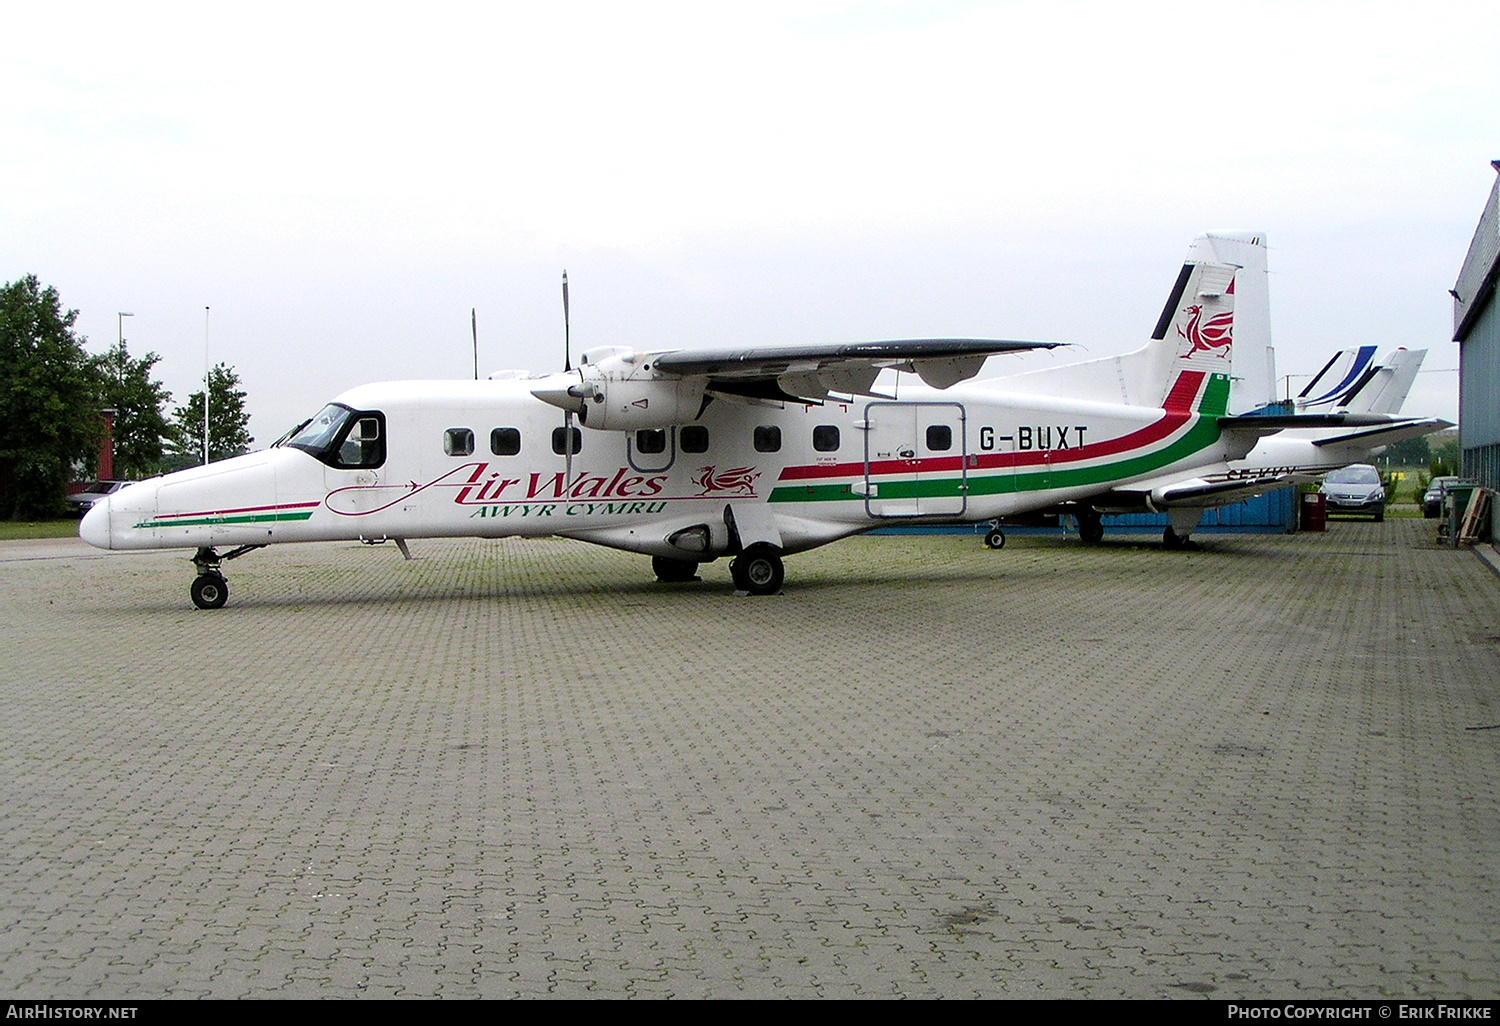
x=1288, y=379
x=120, y=352
x=207, y=375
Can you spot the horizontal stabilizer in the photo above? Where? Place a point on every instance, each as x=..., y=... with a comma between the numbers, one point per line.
x=1222, y=493
x=1195, y=492
x=1387, y=434
x=1259, y=425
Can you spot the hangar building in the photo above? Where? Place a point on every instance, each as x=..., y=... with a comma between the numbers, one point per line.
x=1476, y=329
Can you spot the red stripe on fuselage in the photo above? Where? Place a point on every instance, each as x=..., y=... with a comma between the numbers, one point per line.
x=1176, y=410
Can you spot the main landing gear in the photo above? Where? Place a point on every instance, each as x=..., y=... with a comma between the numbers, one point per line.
x=674, y=571
x=758, y=570
x=995, y=539
x=210, y=589
x=1174, y=542
x=1090, y=526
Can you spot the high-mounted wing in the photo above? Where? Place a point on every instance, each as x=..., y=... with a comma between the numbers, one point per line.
x=620, y=389
x=811, y=372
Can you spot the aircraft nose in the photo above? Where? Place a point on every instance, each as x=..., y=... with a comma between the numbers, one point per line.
x=94, y=527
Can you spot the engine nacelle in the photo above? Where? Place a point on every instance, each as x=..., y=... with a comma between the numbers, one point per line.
x=621, y=393
x=628, y=404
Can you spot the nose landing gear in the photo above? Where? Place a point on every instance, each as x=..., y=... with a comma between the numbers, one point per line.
x=210, y=589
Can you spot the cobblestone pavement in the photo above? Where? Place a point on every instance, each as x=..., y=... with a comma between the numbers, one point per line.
x=927, y=769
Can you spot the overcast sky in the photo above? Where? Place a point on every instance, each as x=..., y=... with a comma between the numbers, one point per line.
x=342, y=183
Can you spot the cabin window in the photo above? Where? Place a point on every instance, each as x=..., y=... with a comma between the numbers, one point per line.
x=560, y=438
x=458, y=442
x=768, y=438
x=505, y=441
x=693, y=438
x=826, y=438
x=939, y=437
x=650, y=441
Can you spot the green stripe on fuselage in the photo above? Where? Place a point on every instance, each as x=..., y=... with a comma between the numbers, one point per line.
x=1202, y=434
x=257, y=518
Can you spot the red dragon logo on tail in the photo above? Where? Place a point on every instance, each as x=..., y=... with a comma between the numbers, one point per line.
x=736, y=479
x=1214, y=336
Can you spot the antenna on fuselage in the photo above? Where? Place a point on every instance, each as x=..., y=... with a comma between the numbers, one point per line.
x=474, y=330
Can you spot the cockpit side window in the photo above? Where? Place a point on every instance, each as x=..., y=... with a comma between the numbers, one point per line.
x=344, y=438
x=364, y=445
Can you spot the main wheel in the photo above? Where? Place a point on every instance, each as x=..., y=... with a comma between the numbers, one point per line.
x=758, y=570
x=1090, y=529
x=210, y=591
x=1171, y=540
x=995, y=539
x=674, y=571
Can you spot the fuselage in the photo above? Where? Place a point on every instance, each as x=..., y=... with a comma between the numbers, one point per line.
x=488, y=459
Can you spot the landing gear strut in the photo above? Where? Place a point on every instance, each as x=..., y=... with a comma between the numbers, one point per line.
x=758, y=570
x=210, y=589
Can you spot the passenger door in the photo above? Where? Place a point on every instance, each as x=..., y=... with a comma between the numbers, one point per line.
x=915, y=460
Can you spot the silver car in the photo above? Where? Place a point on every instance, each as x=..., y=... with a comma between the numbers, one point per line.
x=1356, y=490
x=92, y=492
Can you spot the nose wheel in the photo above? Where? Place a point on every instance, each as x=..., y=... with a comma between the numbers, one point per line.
x=210, y=589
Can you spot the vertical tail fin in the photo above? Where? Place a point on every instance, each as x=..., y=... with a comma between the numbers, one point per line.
x=1223, y=282
x=1351, y=382
x=1192, y=346
x=1254, y=355
x=1331, y=385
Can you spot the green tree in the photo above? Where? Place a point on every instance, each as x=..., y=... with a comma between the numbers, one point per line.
x=49, y=411
x=1409, y=452
x=228, y=423
x=141, y=429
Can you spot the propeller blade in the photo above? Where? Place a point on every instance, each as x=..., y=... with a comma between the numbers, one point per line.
x=567, y=411
x=567, y=339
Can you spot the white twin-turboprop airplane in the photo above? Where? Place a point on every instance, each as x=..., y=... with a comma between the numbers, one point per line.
x=754, y=454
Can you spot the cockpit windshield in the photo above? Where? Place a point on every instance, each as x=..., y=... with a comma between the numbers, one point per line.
x=342, y=437
x=318, y=434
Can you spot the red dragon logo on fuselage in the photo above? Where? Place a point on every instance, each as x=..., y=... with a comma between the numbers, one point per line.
x=1213, y=336
x=736, y=479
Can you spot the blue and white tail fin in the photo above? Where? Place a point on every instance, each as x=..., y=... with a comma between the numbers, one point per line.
x=1352, y=382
